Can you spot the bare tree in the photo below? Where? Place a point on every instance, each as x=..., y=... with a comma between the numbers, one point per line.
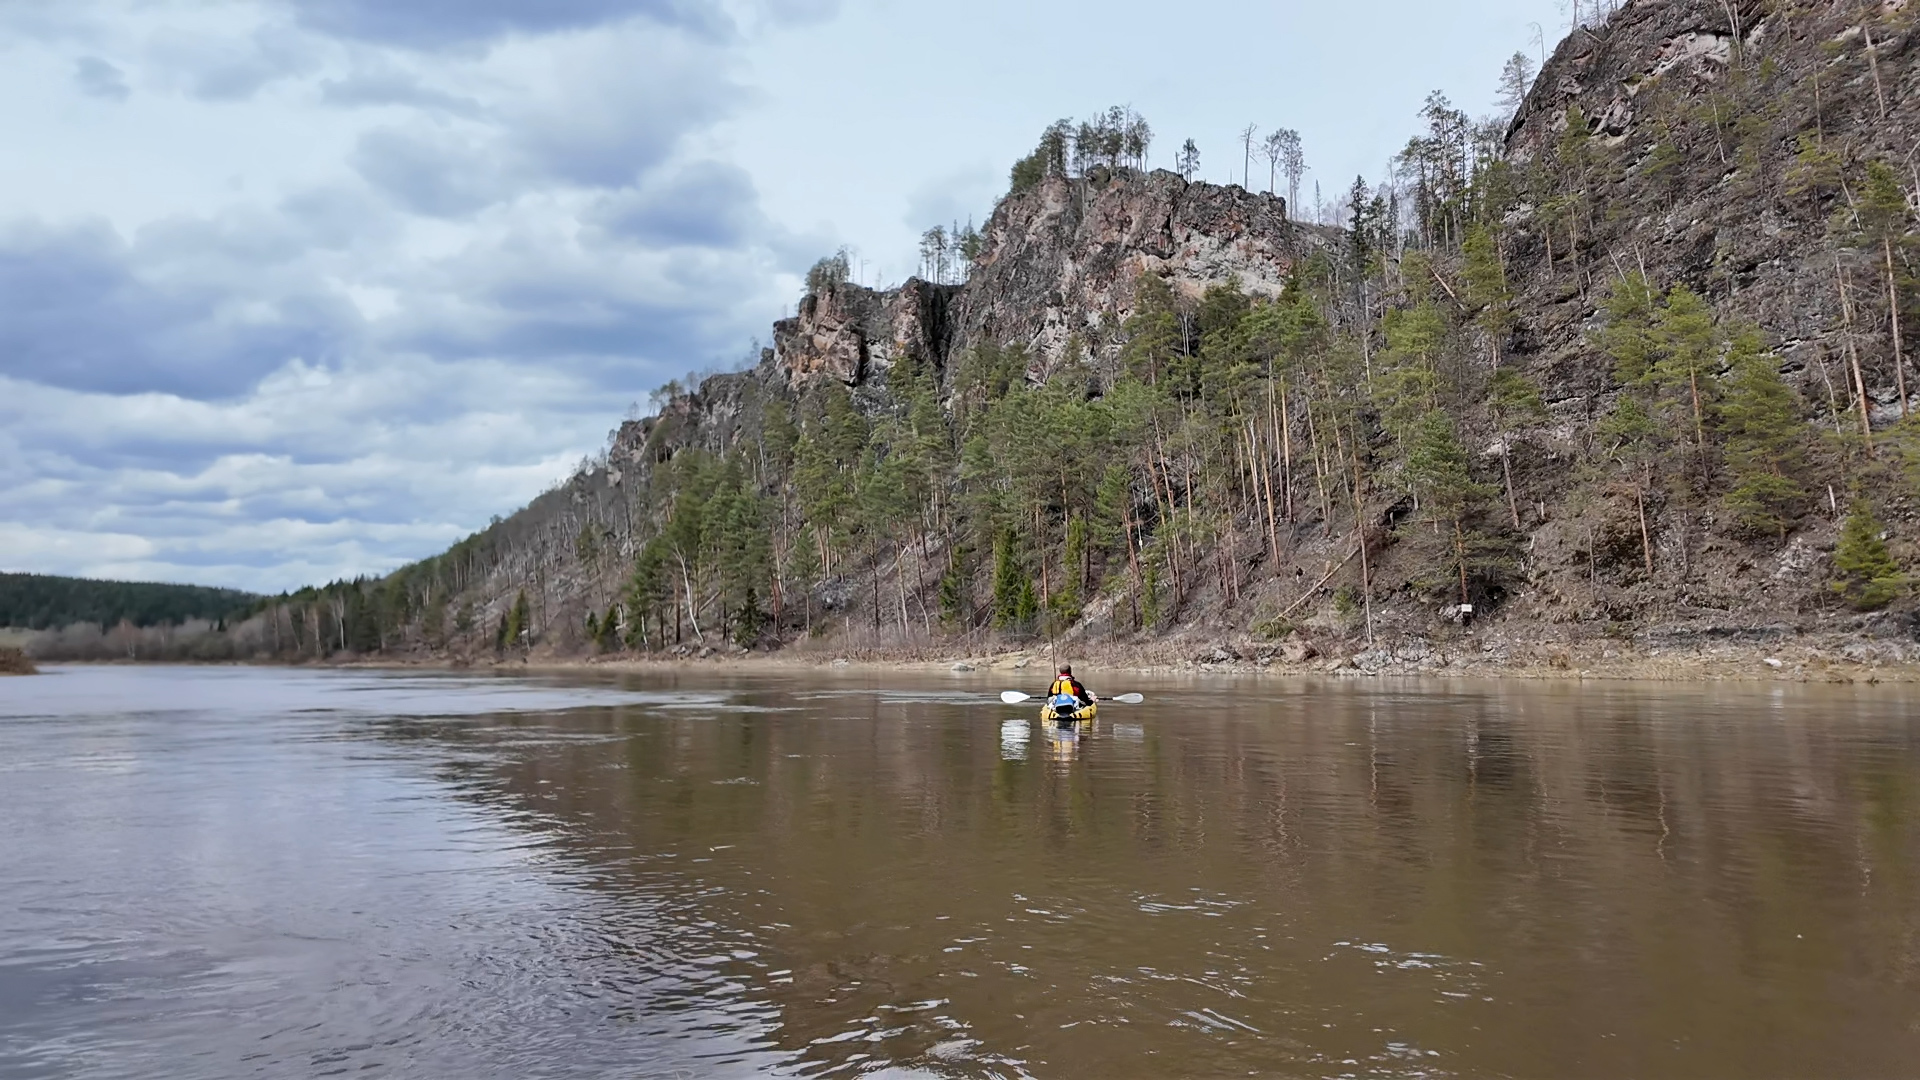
x=1273, y=148
x=1246, y=166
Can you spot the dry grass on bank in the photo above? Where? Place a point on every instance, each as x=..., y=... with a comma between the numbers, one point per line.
x=15, y=662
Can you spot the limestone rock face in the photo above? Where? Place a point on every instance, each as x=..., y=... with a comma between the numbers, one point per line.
x=1064, y=259
x=843, y=329
x=828, y=336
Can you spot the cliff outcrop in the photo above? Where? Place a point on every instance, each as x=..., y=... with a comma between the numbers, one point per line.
x=1060, y=266
x=1063, y=261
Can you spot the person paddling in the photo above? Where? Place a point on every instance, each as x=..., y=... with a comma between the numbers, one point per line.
x=1065, y=683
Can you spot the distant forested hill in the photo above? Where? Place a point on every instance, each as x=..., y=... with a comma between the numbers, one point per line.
x=39, y=601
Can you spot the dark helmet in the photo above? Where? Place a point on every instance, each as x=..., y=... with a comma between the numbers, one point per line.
x=1066, y=669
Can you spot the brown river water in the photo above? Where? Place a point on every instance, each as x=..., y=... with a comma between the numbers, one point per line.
x=251, y=872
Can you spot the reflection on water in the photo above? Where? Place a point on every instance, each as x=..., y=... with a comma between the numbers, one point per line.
x=231, y=872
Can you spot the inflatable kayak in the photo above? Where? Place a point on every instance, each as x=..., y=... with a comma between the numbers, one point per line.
x=1066, y=709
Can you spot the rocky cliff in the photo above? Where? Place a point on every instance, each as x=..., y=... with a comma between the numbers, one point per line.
x=1728, y=142
x=1061, y=264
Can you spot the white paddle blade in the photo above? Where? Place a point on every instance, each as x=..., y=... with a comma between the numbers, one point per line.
x=1130, y=699
x=1014, y=697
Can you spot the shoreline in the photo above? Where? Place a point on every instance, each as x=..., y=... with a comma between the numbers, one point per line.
x=1805, y=658
x=1791, y=663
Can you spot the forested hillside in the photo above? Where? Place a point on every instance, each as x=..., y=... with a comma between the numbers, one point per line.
x=39, y=602
x=1630, y=364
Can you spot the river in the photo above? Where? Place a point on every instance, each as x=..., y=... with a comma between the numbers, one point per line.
x=234, y=872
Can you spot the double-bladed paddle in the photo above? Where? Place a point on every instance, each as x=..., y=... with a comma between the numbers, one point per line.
x=1015, y=697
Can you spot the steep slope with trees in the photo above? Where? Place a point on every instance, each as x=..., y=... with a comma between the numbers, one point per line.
x=1630, y=365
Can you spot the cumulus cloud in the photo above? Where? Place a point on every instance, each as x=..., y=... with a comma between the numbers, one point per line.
x=98, y=78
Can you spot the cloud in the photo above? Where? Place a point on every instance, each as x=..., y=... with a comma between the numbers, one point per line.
x=501, y=223
x=317, y=473
x=618, y=105
x=230, y=66
x=440, y=24
x=76, y=312
x=392, y=87
x=703, y=204
x=623, y=317
x=430, y=170
x=97, y=78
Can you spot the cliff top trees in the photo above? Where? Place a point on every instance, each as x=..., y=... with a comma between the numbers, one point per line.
x=1284, y=149
x=1516, y=78
x=828, y=272
x=1187, y=161
x=1119, y=136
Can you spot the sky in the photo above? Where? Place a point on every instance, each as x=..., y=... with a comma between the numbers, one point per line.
x=297, y=290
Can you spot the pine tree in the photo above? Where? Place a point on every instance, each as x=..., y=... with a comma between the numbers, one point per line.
x=519, y=630
x=1628, y=336
x=1154, y=341
x=1486, y=281
x=1815, y=170
x=649, y=589
x=463, y=620
x=1884, y=217
x=1689, y=343
x=1765, y=440
x=1027, y=606
x=434, y=621
x=1516, y=78
x=1410, y=385
x=1008, y=578
x=954, y=603
x=1438, y=472
x=1865, y=574
x=803, y=573
x=748, y=619
x=1515, y=400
